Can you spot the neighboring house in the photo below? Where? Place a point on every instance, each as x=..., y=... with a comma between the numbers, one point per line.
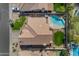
x=27, y=7
x=32, y=6
x=36, y=32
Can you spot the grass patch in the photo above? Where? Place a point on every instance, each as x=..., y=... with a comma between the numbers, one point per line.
x=59, y=7
x=18, y=23
x=58, y=38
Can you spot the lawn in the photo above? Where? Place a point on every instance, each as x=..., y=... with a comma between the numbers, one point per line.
x=18, y=23
x=59, y=7
x=58, y=38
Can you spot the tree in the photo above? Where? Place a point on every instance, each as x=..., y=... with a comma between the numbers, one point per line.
x=75, y=29
x=59, y=7
x=69, y=10
x=58, y=38
x=75, y=21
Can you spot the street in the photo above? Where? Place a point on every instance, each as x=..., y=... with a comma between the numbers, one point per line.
x=4, y=29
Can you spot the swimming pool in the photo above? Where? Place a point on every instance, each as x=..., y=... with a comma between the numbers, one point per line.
x=57, y=21
x=74, y=50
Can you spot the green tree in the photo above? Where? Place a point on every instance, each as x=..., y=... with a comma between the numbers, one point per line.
x=18, y=23
x=58, y=38
x=59, y=7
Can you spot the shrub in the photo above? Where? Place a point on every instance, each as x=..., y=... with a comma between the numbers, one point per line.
x=64, y=53
x=59, y=7
x=58, y=38
x=18, y=23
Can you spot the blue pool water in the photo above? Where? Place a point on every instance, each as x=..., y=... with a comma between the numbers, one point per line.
x=74, y=50
x=56, y=20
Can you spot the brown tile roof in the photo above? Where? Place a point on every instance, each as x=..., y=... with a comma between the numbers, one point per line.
x=36, y=40
x=42, y=33
x=39, y=25
x=26, y=34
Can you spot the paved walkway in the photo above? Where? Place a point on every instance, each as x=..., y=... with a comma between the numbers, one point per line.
x=13, y=39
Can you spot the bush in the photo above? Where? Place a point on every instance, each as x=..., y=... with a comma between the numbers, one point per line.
x=59, y=7
x=64, y=53
x=58, y=38
x=18, y=23
x=12, y=25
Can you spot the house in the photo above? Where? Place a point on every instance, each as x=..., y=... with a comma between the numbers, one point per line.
x=35, y=33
